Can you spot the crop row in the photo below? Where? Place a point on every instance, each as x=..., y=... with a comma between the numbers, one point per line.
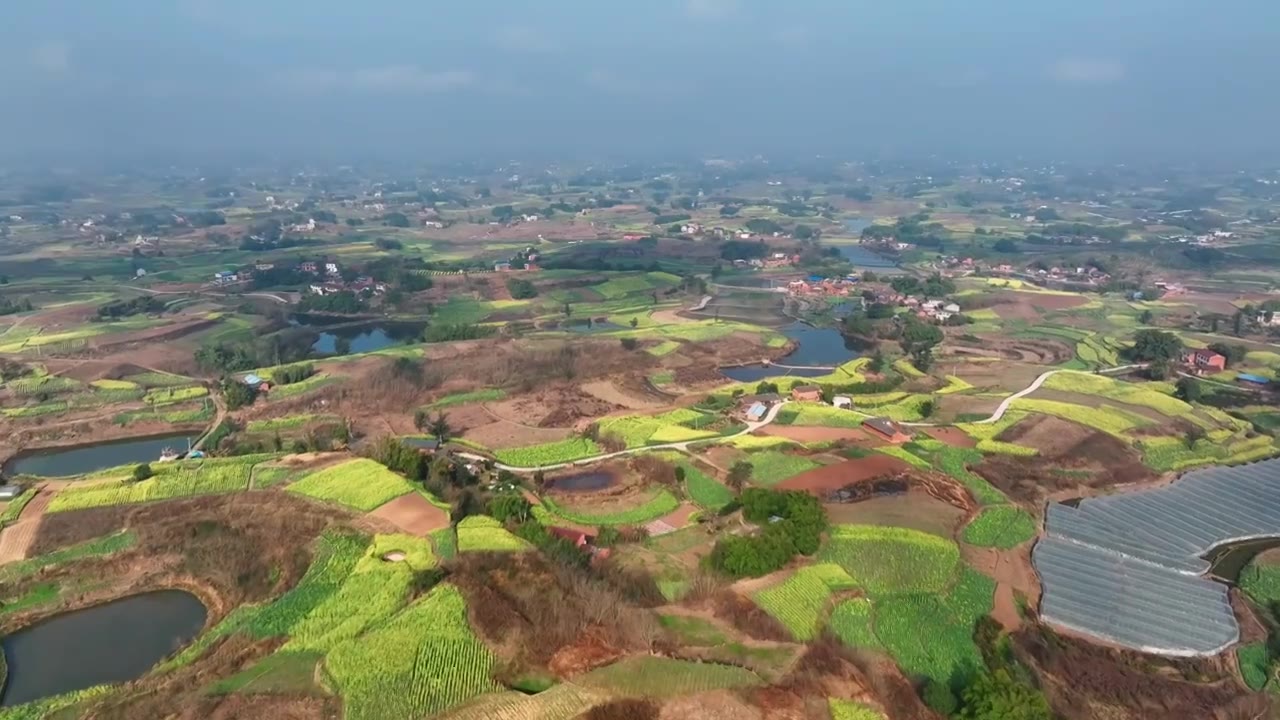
x=483, y=533
x=954, y=385
x=818, y=415
x=171, y=395
x=850, y=710
x=175, y=483
x=798, y=601
x=106, y=545
x=361, y=484
x=651, y=676
x=421, y=662
x=27, y=386
x=475, y=396
x=1003, y=526
x=892, y=560
x=552, y=453
x=1124, y=392
x=659, y=504
x=770, y=467
x=158, y=380
x=955, y=462
x=703, y=489
x=1108, y=419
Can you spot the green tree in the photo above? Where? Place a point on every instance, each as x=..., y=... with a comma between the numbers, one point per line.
x=421, y=420
x=1194, y=434
x=1146, y=317
x=739, y=475
x=878, y=362
x=997, y=696
x=1151, y=345
x=927, y=408
x=440, y=429
x=395, y=219
x=142, y=472
x=635, y=322
x=510, y=506
x=1188, y=389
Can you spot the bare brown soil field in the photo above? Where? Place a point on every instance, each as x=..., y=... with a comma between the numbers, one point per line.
x=1072, y=458
x=499, y=435
x=914, y=509
x=823, y=480
x=609, y=392
x=1080, y=676
x=954, y=437
x=413, y=514
x=140, y=338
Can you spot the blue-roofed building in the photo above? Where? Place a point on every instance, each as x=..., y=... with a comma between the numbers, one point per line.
x=756, y=412
x=252, y=380
x=1251, y=378
x=815, y=278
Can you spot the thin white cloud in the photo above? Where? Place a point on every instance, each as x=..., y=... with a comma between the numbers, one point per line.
x=53, y=57
x=518, y=38
x=387, y=79
x=710, y=9
x=1086, y=71
x=794, y=37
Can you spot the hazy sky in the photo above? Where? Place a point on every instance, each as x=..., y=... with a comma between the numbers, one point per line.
x=340, y=77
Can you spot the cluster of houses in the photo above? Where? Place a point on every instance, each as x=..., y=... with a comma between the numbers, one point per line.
x=332, y=282
x=816, y=285
x=754, y=408
x=527, y=259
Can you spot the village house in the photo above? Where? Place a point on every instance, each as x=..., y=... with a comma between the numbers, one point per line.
x=503, y=266
x=806, y=393
x=1205, y=361
x=331, y=268
x=307, y=267
x=9, y=492
x=886, y=429
x=842, y=401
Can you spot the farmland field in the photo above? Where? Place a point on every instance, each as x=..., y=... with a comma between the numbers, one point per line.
x=483, y=533
x=650, y=676
x=798, y=601
x=552, y=453
x=361, y=484
x=170, y=481
x=890, y=560
x=770, y=467
x=658, y=504
x=422, y=661
x=489, y=395
x=1001, y=527
x=1108, y=419
x=703, y=490
x=849, y=710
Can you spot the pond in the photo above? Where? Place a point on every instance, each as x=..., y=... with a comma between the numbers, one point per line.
x=365, y=338
x=53, y=462
x=584, y=482
x=110, y=643
x=817, y=349
x=863, y=258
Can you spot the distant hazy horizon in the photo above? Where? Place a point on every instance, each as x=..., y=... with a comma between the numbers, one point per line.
x=1179, y=79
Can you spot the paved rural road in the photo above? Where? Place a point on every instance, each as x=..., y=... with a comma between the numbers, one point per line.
x=267, y=295
x=683, y=446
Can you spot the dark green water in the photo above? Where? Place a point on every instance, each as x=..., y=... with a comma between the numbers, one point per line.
x=110, y=643
x=77, y=461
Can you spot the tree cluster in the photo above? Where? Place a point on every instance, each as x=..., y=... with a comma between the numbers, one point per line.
x=117, y=309
x=792, y=522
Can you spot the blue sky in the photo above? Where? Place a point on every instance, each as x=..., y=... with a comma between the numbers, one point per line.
x=561, y=77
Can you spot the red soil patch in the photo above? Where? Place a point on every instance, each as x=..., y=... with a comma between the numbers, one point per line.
x=1005, y=610
x=413, y=514
x=806, y=434
x=676, y=519
x=951, y=436
x=833, y=477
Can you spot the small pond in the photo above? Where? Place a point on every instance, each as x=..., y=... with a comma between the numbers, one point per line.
x=364, y=338
x=110, y=643
x=756, y=373
x=584, y=481
x=863, y=258
x=421, y=443
x=818, y=348
x=53, y=462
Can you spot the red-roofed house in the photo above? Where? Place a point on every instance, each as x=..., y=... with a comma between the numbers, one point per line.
x=885, y=429
x=807, y=393
x=1206, y=361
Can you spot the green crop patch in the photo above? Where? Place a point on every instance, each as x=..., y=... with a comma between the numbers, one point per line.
x=660, y=503
x=1001, y=527
x=798, y=601
x=770, y=467
x=361, y=484
x=421, y=662
x=552, y=453
x=171, y=480
x=480, y=533
x=892, y=560
x=650, y=676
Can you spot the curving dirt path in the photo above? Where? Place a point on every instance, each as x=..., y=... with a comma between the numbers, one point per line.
x=16, y=539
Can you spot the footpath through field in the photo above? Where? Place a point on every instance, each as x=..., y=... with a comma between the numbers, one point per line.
x=16, y=539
